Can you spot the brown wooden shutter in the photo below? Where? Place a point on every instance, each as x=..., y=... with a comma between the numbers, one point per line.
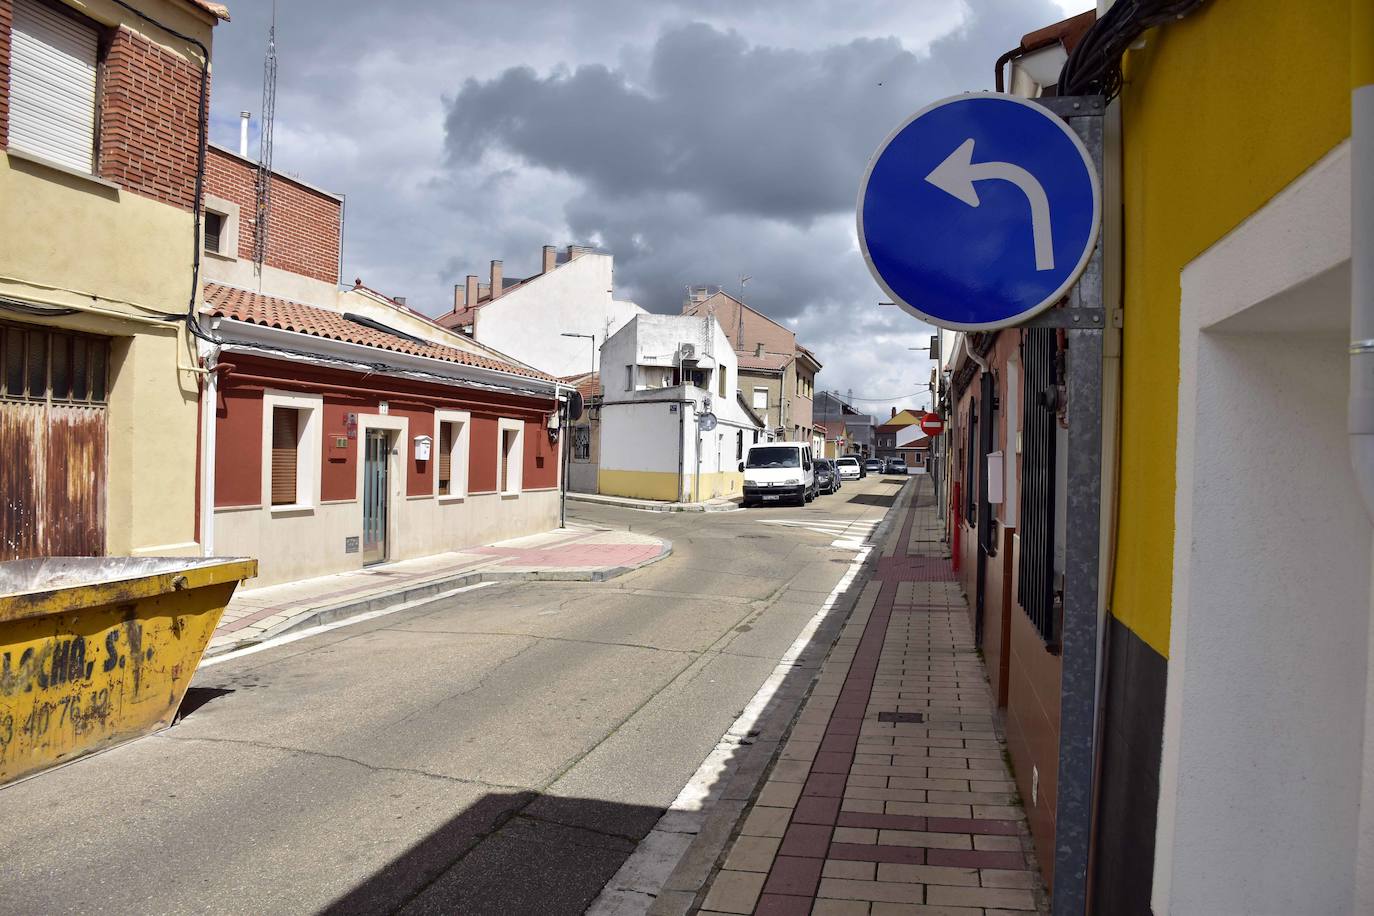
x=285, y=426
x=445, y=458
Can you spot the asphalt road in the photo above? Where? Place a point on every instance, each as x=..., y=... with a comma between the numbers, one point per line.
x=501, y=751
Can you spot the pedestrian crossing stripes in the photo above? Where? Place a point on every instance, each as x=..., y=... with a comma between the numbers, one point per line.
x=848, y=534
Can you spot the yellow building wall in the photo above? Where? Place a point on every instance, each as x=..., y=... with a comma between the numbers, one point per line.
x=1220, y=111
x=122, y=259
x=662, y=485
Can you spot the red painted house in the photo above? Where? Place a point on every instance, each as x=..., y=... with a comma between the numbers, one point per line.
x=341, y=428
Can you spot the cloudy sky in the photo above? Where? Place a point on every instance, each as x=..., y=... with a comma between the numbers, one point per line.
x=697, y=141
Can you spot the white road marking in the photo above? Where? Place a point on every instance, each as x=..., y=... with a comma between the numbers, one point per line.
x=326, y=627
x=633, y=889
x=853, y=534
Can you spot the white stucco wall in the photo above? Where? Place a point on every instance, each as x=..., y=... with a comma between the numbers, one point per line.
x=641, y=428
x=1269, y=646
x=575, y=297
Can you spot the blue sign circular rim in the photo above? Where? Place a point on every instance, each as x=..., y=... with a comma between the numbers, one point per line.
x=1010, y=321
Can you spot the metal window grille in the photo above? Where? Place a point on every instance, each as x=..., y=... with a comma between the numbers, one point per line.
x=987, y=538
x=971, y=465
x=582, y=443
x=41, y=365
x=285, y=436
x=214, y=231
x=1035, y=581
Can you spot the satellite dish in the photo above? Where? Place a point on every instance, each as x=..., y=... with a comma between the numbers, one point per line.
x=575, y=405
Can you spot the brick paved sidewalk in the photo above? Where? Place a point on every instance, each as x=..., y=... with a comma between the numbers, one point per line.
x=891, y=795
x=567, y=553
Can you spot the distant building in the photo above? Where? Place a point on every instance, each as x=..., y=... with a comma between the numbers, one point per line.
x=832, y=411
x=777, y=375
x=530, y=318
x=901, y=437
x=660, y=375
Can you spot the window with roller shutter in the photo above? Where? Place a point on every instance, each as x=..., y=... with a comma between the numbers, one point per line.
x=285, y=442
x=52, y=89
x=445, y=459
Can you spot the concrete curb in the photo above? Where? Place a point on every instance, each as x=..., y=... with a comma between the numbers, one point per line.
x=701, y=857
x=430, y=589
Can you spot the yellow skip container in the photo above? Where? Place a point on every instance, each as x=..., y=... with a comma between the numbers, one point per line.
x=96, y=651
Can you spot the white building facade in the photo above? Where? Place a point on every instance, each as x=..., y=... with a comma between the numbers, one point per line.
x=661, y=374
x=555, y=320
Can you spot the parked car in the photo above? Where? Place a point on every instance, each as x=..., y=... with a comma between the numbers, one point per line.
x=778, y=472
x=875, y=465
x=896, y=466
x=850, y=468
x=827, y=476
x=859, y=458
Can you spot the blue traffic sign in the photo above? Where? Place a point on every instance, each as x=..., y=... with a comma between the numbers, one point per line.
x=978, y=212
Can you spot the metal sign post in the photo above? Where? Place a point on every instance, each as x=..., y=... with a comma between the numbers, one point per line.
x=1084, y=320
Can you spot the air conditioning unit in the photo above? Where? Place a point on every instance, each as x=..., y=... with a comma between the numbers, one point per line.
x=687, y=353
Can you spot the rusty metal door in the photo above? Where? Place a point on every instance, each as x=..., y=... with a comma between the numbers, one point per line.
x=52, y=443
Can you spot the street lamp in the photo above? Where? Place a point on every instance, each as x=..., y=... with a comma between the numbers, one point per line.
x=591, y=337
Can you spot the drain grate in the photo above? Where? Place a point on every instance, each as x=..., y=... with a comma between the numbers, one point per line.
x=901, y=717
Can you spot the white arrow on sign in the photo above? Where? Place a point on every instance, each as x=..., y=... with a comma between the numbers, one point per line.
x=956, y=175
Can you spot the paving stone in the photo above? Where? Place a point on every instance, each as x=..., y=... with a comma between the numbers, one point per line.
x=734, y=891
x=752, y=853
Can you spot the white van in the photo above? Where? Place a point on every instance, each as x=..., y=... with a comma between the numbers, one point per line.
x=776, y=472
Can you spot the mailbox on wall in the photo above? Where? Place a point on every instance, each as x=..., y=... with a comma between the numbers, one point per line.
x=422, y=446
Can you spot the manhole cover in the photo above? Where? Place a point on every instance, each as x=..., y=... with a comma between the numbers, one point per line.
x=901, y=717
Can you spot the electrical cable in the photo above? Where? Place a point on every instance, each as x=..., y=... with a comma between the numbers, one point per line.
x=1094, y=67
x=202, y=126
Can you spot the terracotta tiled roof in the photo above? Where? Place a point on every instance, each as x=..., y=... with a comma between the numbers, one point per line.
x=269, y=311
x=1069, y=31
x=769, y=362
x=588, y=384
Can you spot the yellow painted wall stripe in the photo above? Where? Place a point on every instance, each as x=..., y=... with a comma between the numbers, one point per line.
x=1220, y=111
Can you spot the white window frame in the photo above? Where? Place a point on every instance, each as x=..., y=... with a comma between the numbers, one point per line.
x=515, y=477
x=229, y=234
x=458, y=456
x=308, y=449
x=756, y=404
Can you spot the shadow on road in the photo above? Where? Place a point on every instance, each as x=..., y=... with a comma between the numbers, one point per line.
x=518, y=853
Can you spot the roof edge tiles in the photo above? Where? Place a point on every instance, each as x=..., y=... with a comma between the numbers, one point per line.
x=284, y=314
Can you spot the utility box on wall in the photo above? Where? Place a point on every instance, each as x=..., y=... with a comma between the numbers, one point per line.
x=995, y=478
x=422, y=447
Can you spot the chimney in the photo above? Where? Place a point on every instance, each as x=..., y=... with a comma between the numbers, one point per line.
x=577, y=251
x=550, y=258
x=894, y=411
x=758, y=348
x=483, y=291
x=399, y=300
x=498, y=284
x=243, y=133
x=470, y=291
x=460, y=298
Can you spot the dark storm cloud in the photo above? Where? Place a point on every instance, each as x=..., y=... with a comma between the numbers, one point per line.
x=751, y=129
x=697, y=140
x=746, y=129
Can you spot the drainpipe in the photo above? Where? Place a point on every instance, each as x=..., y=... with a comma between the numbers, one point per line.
x=209, y=402
x=1362, y=248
